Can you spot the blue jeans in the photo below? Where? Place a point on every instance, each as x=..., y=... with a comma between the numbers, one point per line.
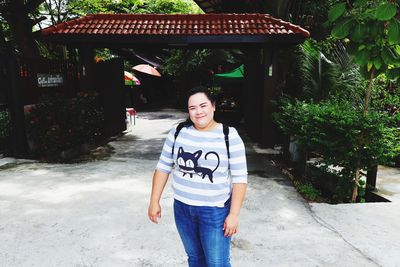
x=200, y=229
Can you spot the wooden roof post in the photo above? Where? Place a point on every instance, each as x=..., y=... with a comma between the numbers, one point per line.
x=253, y=93
x=86, y=65
x=16, y=106
x=269, y=66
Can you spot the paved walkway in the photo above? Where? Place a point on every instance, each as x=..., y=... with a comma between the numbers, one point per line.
x=94, y=214
x=388, y=183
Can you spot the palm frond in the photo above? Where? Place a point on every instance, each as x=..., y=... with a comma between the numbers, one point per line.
x=318, y=72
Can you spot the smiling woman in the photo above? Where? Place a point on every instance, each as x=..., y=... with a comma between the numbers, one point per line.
x=201, y=111
x=208, y=165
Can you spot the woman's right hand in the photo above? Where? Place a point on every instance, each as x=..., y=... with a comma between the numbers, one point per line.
x=154, y=211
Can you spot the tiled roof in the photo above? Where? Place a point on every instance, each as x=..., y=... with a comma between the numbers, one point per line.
x=177, y=25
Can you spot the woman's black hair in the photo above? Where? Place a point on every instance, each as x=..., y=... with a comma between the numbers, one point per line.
x=200, y=89
x=193, y=91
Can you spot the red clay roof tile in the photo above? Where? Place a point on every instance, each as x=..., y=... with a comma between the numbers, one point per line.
x=159, y=24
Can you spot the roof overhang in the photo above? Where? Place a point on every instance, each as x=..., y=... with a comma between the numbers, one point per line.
x=205, y=30
x=119, y=41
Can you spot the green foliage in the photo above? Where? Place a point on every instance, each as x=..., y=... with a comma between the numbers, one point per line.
x=83, y=7
x=183, y=62
x=4, y=124
x=361, y=191
x=56, y=124
x=309, y=191
x=192, y=67
x=5, y=35
x=171, y=7
x=103, y=54
x=394, y=32
x=372, y=32
x=385, y=11
x=333, y=121
x=340, y=132
x=61, y=10
x=328, y=71
x=375, y=45
x=16, y=21
x=336, y=11
x=319, y=75
x=342, y=135
x=342, y=28
x=385, y=96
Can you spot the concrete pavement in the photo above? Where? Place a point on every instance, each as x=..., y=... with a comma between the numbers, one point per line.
x=94, y=214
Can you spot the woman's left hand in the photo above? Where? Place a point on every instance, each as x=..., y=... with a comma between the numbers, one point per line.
x=231, y=225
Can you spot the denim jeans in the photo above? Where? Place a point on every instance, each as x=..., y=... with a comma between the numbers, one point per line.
x=200, y=229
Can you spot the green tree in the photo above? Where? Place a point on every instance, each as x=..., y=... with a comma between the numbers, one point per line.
x=372, y=33
x=20, y=17
x=183, y=63
x=171, y=7
x=83, y=7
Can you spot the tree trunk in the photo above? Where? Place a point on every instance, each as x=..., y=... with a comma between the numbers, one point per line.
x=356, y=182
x=16, y=13
x=21, y=29
x=366, y=106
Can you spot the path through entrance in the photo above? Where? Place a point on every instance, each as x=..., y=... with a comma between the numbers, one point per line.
x=95, y=213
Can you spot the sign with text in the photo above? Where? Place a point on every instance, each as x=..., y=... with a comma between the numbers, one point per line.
x=50, y=80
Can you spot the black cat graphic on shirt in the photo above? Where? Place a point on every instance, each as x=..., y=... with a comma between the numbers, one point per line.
x=188, y=163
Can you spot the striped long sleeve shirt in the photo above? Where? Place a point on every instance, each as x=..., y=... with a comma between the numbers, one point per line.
x=202, y=173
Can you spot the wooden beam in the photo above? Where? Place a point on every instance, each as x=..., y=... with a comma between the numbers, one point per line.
x=269, y=67
x=18, y=134
x=253, y=93
x=173, y=41
x=86, y=65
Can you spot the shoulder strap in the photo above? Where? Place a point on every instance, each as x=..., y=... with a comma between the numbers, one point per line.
x=183, y=124
x=226, y=134
x=178, y=129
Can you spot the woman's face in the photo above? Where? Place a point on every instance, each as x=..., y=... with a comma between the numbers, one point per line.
x=201, y=111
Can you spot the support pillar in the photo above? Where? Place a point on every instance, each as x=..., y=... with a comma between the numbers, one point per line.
x=253, y=93
x=269, y=66
x=371, y=177
x=86, y=64
x=16, y=107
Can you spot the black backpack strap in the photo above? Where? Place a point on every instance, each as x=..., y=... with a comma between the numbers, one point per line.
x=178, y=129
x=226, y=134
x=184, y=124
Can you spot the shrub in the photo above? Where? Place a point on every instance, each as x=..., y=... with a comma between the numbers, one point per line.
x=309, y=192
x=4, y=124
x=56, y=123
x=342, y=135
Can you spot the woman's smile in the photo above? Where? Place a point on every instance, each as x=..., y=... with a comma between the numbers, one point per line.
x=201, y=112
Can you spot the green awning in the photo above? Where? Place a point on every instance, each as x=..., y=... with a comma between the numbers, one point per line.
x=234, y=74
